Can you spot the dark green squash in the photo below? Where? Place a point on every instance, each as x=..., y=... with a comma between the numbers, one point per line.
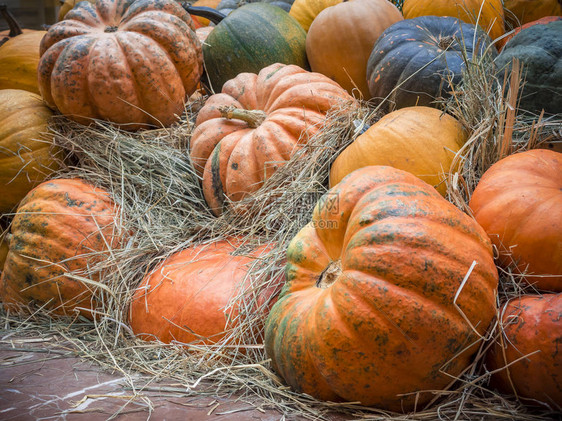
x=539, y=49
x=228, y=6
x=418, y=60
x=250, y=38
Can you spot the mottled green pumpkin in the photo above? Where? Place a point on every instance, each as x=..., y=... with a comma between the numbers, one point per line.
x=539, y=50
x=250, y=38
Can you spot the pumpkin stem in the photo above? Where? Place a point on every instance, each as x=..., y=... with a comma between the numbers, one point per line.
x=329, y=275
x=445, y=42
x=252, y=117
x=204, y=12
x=15, y=28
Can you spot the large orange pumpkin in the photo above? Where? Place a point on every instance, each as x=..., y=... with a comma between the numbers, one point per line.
x=527, y=355
x=487, y=13
x=192, y=295
x=420, y=140
x=27, y=155
x=60, y=228
x=305, y=11
x=343, y=58
x=131, y=63
x=369, y=309
x=520, y=12
x=271, y=115
x=518, y=201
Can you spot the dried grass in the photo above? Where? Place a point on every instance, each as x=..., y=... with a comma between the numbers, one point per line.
x=151, y=177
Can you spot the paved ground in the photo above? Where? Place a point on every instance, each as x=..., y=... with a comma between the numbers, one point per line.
x=38, y=383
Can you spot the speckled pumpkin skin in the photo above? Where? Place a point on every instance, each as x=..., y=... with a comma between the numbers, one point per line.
x=55, y=224
x=387, y=325
x=187, y=297
x=133, y=63
x=235, y=159
x=26, y=153
x=488, y=13
x=530, y=323
x=19, y=58
x=518, y=201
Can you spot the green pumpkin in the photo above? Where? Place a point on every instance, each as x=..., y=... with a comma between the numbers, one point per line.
x=250, y=38
x=539, y=49
x=228, y=6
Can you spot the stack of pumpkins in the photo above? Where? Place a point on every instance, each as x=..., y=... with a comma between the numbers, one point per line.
x=390, y=289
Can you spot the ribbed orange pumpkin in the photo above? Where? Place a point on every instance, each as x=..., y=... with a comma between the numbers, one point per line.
x=305, y=11
x=488, y=13
x=524, y=11
x=235, y=151
x=61, y=226
x=420, y=140
x=518, y=201
x=344, y=58
x=368, y=310
x=131, y=63
x=191, y=296
x=531, y=332
x=26, y=153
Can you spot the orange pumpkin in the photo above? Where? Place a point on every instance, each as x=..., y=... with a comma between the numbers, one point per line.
x=244, y=134
x=27, y=156
x=19, y=55
x=131, y=63
x=518, y=201
x=368, y=310
x=520, y=12
x=487, y=13
x=60, y=228
x=420, y=140
x=204, y=3
x=527, y=355
x=344, y=58
x=191, y=296
x=305, y=11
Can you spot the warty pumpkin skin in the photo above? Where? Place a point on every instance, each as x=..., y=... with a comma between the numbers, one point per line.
x=133, y=63
x=190, y=297
x=61, y=226
x=416, y=61
x=27, y=156
x=518, y=201
x=531, y=327
x=234, y=157
x=542, y=21
x=420, y=140
x=344, y=58
x=367, y=311
x=305, y=11
x=488, y=13
x=524, y=11
x=251, y=38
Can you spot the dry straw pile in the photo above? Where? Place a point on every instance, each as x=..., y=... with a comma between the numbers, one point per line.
x=151, y=178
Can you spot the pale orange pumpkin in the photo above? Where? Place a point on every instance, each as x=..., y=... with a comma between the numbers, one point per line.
x=305, y=11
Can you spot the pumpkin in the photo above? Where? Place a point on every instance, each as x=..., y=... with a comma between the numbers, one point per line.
x=527, y=355
x=518, y=201
x=368, y=310
x=19, y=55
x=133, y=63
x=68, y=5
x=418, y=60
x=420, y=140
x=192, y=295
x=244, y=134
x=27, y=156
x=3, y=252
x=524, y=11
x=250, y=38
x=542, y=21
x=305, y=11
x=488, y=14
x=344, y=58
x=228, y=6
x=61, y=228
x=204, y=3
x=539, y=49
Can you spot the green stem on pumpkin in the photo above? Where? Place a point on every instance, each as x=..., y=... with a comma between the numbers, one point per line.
x=252, y=117
x=15, y=28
